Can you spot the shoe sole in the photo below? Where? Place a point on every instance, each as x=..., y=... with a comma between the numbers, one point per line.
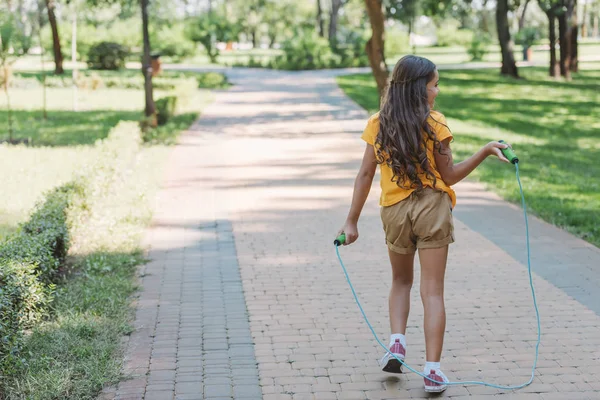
x=393, y=366
x=435, y=389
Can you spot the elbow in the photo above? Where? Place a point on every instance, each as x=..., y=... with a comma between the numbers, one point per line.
x=449, y=178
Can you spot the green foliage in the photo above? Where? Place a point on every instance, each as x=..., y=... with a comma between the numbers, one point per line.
x=126, y=32
x=171, y=41
x=165, y=109
x=527, y=36
x=450, y=35
x=306, y=51
x=210, y=28
x=23, y=298
x=107, y=55
x=479, y=46
x=90, y=309
x=168, y=133
x=29, y=262
x=351, y=48
x=396, y=43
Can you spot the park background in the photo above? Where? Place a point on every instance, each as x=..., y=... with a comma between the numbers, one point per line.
x=96, y=93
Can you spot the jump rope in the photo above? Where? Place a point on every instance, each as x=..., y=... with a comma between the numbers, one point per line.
x=512, y=157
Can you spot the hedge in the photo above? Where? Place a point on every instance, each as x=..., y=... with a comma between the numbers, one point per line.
x=30, y=259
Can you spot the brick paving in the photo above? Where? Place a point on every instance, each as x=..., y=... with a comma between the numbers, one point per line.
x=244, y=297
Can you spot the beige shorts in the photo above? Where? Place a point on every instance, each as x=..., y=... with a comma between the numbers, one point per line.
x=421, y=221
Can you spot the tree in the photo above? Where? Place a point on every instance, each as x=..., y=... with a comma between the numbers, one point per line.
x=375, y=45
x=210, y=28
x=320, y=19
x=150, y=109
x=551, y=8
x=509, y=66
x=58, y=56
x=12, y=43
x=336, y=5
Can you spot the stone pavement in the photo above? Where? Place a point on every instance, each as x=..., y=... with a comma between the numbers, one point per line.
x=244, y=297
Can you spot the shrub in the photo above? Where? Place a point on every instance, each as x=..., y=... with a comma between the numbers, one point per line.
x=29, y=261
x=107, y=55
x=450, y=35
x=172, y=42
x=396, y=43
x=479, y=46
x=306, y=51
x=165, y=109
x=23, y=299
x=351, y=49
x=44, y=239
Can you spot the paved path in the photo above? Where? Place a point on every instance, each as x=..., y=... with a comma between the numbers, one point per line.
x=244, y=297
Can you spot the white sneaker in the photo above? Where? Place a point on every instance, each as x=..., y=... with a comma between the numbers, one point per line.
x=389, y=362
x=435, y=387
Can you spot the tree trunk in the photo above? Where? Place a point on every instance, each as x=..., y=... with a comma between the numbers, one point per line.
x=553, y=71
x=484, y=25
x=58, y=57
x=39, y=31
x=253, y=36
x=573, y=44
x=74, y=53
x=320, y=19
x=375, y=45
x=150, y=110
x=522, y=16
x=509, y=66
x=595, y=25
x=563, y=40
x=333, y=18
x=584, y=22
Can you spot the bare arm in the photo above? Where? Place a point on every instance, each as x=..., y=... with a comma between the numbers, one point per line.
x=453, y=173
x=362, y=187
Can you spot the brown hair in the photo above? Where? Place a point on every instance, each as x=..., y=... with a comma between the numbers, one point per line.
x=404, y=128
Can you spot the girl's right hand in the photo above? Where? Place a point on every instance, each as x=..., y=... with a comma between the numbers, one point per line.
x=351, y=231
x=495, y=149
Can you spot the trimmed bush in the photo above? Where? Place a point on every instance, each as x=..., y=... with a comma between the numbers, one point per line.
x=23, y=299
x=165, y=109
x=479, y=46
x=31, y=258
x=107, y=55
x=29, y=262
x=44, y=239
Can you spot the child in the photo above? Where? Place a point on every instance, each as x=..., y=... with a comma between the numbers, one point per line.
x=411, y=143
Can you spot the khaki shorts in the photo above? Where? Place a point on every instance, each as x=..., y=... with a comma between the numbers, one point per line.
x=421, y=221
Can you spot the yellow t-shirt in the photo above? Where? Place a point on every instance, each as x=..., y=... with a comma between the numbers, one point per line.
x=391, y=193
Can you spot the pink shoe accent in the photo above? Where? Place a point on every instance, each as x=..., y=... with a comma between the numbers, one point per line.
x=397, y=348
x=434, y=387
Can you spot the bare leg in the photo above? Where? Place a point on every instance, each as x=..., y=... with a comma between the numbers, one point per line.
x=433, y=269
x=402, y=280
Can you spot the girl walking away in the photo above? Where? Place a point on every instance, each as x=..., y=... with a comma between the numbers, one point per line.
x=411, y=143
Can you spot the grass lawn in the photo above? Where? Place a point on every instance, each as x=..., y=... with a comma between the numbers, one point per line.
x=77, y=351
x=552, y=125
x=63, y=142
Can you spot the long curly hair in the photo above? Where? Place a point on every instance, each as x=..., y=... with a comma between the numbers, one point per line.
x=403, y=123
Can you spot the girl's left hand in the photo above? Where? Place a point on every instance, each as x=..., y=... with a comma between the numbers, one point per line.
x=495, y=149
x=351, y=231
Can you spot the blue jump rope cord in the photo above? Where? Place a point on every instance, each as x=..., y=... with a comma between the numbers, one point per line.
x=534, y=303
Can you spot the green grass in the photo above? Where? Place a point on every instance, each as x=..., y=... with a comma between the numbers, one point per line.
x=552, y=126
x=61, y=144
x=78, y=351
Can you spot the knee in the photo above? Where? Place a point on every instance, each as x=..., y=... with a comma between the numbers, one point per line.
x=432, y=293
x=402, y=280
